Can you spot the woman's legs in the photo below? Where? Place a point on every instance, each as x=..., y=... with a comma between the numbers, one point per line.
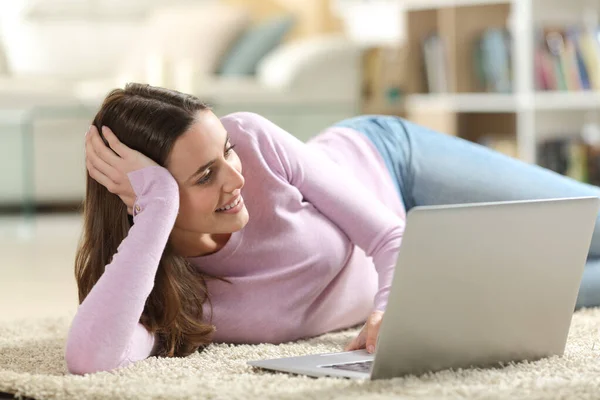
x=432, y=168
x=444, y=170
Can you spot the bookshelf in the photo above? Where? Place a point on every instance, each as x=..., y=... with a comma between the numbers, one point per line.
x=447, y=81
x=490, y=102
x=413, y=5
x=463, y=102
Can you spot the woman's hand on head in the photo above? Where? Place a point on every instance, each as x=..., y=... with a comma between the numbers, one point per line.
x=110, y=167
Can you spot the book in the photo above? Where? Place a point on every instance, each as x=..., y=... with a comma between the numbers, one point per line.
x=492, y=61
x=436, y=64
x=567, y=58
x=571, y=157
x=505, y=144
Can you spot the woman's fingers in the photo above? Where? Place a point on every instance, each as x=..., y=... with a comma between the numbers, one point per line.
x=373, y=325
x=114, y=142
x=358, y=342
x=98, y=147
x=351, y=346
x=100, y=177
x=104, y=168
x=96, y=161
x=101, y=150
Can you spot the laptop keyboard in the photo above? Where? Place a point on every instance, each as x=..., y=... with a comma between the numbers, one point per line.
x=361, y=366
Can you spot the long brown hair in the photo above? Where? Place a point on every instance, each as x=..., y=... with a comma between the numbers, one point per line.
x=147, y=119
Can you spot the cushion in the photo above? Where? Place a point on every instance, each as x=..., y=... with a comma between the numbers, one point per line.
x=256, y=43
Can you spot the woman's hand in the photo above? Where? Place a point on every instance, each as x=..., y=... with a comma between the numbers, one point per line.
x=367, y=338
x=110, y=167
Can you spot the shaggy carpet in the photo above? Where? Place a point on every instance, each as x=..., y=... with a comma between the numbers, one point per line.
x=32, y=365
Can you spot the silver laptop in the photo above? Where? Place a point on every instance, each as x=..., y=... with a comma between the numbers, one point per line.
x=476, y=285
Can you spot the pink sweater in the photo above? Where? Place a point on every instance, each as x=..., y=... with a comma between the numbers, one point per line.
x=317, y=254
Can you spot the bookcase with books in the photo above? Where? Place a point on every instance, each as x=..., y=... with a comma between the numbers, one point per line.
x=383, y=77
x=519, y=76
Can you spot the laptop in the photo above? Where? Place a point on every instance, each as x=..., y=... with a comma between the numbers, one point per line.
x=475, y=285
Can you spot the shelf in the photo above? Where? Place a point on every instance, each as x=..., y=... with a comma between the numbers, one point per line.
x=378, y=107
x=566, y=100
x=416, y=5
x=458, y=29
x=492, y=102
x=464, y=102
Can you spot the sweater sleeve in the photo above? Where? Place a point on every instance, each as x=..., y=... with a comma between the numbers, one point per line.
x=333, y=191
x=105, y=332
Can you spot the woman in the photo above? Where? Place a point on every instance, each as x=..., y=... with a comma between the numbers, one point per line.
x=182, y=246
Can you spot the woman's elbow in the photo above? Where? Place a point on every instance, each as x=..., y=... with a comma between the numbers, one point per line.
x=76, y=366
x=85, y=362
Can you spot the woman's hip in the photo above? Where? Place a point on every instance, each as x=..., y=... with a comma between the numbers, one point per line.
x=388, y=135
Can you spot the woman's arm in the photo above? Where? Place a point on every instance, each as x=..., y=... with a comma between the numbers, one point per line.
x=333, y=191
x=106, y=333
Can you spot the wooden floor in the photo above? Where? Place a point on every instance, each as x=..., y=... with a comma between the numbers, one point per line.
x=36, y=265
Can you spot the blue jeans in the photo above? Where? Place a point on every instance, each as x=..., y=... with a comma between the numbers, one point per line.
x=431, y=168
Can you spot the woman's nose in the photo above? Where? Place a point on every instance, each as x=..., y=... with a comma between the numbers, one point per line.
x=235, y=179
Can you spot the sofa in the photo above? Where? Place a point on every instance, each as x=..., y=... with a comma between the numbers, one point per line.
x=57, y=71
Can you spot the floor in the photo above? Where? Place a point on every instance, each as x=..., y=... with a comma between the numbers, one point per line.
x=36, y=265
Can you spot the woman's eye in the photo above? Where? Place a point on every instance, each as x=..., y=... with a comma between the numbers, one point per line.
x=228, y=151
x=208, y=175
x=205, y=178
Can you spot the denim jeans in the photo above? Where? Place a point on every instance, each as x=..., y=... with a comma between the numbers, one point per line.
x=431, y=168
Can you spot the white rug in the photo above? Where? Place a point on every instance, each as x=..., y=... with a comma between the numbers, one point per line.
x=32, y=365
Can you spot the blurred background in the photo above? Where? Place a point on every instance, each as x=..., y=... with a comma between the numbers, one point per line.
x=519, y=76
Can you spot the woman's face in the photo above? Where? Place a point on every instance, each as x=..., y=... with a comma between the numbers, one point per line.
x=209, y=174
